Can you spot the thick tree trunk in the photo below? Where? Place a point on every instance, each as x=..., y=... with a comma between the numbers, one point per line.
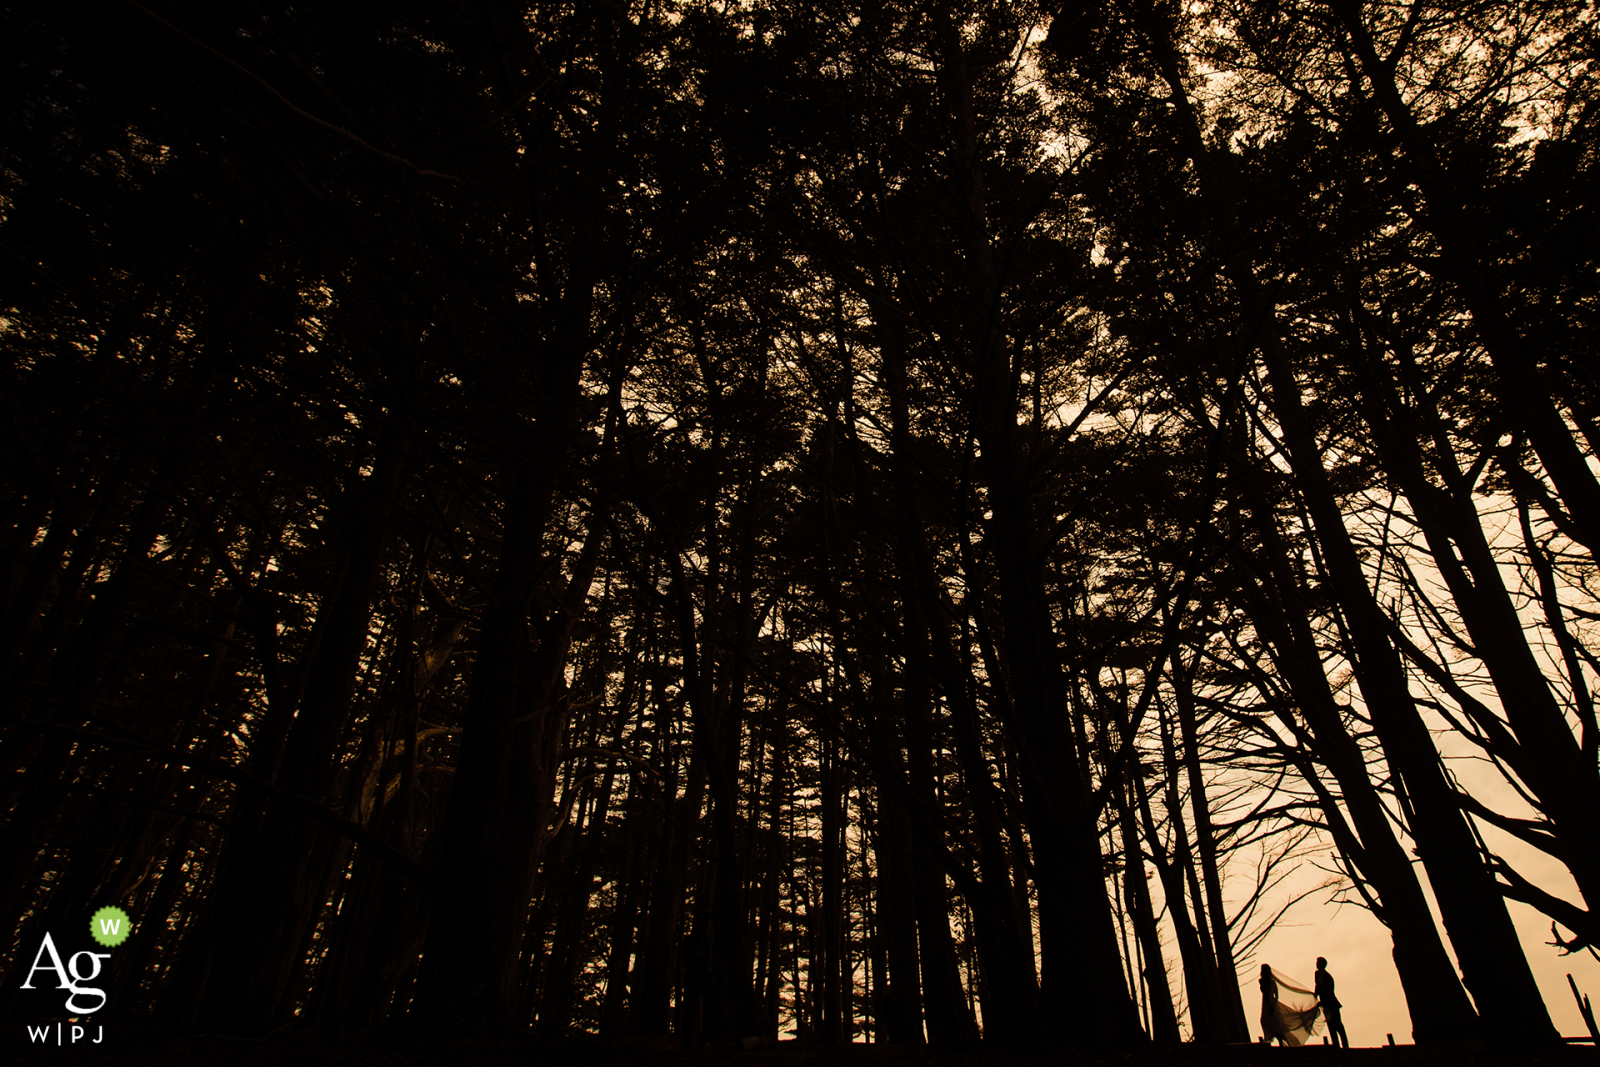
x=560, y=973
x=500, y=796
x=1545, y=754
x=1493, y=965
x=273, y=880
x=900, y=1013
x=1082, y=988
x=650, y=1008
x=1279, y=606
x=1003, y=928
x=630, y=886
x=944, y=1002
x=949, y=1020
x=1482, y=933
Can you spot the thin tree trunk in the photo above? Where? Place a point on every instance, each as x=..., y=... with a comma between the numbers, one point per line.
x=827, y=963
x=1163, y=1015
x=1234, y=1025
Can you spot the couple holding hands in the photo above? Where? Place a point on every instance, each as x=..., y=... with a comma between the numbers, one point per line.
x=1289, y=1011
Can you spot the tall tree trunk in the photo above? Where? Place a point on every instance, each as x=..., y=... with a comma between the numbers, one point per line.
x=1234, y=1025
x=650, y=1009
x=557, y=983
x=1493, y=965
x=1279, y=606
x=1545, y=754
x=1136, y=889
x=1197, y=969
x=500, y=798
x=1082, y=983
x=630, y=886
x=271, y=891
x=944, y=1007
x=827, y=963
x=900, y=1015
x=1183, y=856
x=1522, y=391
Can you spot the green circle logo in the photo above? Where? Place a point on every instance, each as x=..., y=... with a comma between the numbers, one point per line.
x=110, y=926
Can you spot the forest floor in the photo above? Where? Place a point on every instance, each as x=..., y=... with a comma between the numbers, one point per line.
x=309, y=1049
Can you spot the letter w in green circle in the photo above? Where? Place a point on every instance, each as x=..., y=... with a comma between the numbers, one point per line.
x=110, y=926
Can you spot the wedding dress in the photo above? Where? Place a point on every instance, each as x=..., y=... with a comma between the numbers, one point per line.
x=1289, y=1011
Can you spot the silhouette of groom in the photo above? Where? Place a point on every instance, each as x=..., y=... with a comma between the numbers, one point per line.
x=1330, y=1005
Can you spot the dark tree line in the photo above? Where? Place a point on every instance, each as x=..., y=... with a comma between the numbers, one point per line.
x=858, y=520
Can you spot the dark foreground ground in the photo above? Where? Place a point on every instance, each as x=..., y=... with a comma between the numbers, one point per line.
x=121, y=1045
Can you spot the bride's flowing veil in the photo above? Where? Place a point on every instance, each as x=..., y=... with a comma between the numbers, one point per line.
x=1298, y=1012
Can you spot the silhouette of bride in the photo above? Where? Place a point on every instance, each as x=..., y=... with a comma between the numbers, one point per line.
x=1289, y=1011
